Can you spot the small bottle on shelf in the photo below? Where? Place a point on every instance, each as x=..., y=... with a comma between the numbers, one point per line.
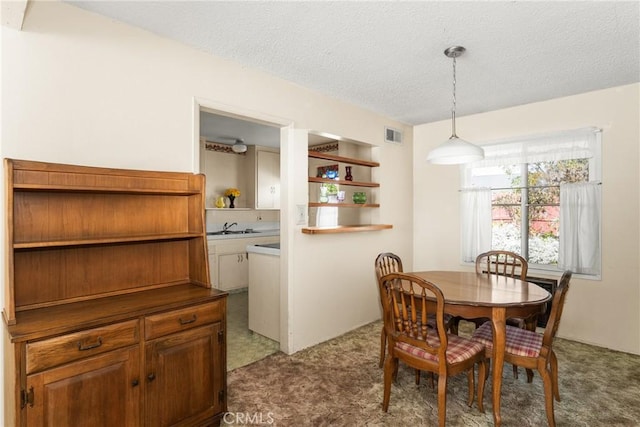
x=348, y=176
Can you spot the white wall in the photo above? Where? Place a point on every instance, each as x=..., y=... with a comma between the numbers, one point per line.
x=606, y=312
x=79, y=88
x=82, y=89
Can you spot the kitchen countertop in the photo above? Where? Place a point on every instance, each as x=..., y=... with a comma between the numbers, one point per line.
x=265, y=249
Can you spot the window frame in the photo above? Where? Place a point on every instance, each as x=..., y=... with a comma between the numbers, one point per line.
x=595, y=175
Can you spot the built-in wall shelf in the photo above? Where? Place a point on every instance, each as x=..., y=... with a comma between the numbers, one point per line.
x=343, y=205
x=346, y=228
x=351, y=161
x=358, y=220
x=344, y=182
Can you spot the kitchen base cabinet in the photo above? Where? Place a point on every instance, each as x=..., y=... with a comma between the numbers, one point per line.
x=229, y=262
x=101, y=391
x=264, y=295
x=234, y=271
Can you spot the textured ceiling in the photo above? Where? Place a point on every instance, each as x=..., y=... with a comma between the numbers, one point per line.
x=388, y=56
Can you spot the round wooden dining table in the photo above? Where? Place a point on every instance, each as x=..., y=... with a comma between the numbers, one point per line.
x=473, y=295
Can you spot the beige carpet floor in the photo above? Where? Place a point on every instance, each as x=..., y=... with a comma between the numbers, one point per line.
x=338, y=383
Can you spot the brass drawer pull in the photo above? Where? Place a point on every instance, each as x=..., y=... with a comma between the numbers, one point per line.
x=186, y=322
x=90, y=346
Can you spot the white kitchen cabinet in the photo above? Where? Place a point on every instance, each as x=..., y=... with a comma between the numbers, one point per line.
x=233, y=271
x=264, y=294
x=267, y=180
x=228, y=263
x=213, y=263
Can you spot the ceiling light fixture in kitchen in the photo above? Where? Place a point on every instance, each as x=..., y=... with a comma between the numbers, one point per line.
x=239, y=146
x=455, y=150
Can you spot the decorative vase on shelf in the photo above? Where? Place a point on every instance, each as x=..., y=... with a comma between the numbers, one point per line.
x=231, y=199
x=348, y=176
x=220, y=202
x=360, y=197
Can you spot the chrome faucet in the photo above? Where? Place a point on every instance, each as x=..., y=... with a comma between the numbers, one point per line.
x=227, y=226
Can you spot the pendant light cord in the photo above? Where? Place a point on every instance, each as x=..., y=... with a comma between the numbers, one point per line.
x=453, y=109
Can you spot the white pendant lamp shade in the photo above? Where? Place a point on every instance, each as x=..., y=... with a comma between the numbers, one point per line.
x=239, y=146
x=455, y=150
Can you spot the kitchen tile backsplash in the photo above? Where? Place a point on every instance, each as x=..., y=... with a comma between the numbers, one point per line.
x=258, y=220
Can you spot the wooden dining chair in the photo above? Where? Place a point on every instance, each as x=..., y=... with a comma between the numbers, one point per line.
x=531, y=350
x=407, y=300
x=503, y=263
x=386, y=263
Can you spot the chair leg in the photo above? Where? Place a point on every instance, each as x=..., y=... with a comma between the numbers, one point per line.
x=482, y=376
x=529, y=376
x=548, y=394
x=453, y=325
x=488, y=368
x=515, y=372
x=472, y=387
x=417, y=376
x=390, y=368
x=383, y=345
x=442, y=400
x=395, y=370
x=554, y=375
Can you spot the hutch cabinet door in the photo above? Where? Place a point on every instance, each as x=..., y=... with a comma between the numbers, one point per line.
x=185, y=376
x=99, y=391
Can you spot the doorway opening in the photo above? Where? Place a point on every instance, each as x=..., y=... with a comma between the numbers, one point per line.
x=226, y=167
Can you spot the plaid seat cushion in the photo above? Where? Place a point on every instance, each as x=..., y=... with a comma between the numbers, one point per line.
x=458, y=349
x=519, y=341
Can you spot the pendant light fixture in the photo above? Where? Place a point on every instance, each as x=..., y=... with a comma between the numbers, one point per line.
x=455, y=150
x=239, y=146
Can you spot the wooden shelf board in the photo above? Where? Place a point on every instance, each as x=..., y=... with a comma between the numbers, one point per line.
x=346, y=228
x=358, y=162
x=115, y=190
x=106, y=240
x=342, y=182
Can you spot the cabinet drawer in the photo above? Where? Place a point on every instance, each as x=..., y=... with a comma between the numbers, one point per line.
x=68, y=348
x=186, y=318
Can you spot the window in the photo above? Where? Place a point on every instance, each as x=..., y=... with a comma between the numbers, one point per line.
x=512, y=201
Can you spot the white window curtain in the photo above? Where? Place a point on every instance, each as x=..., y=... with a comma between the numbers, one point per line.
x=580, y=228
x=475, y=217
x=580, y=143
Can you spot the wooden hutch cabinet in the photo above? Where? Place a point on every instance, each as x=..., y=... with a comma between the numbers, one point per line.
x=110, y=315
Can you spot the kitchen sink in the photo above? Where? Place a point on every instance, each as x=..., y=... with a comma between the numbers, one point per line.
x=220, y=233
